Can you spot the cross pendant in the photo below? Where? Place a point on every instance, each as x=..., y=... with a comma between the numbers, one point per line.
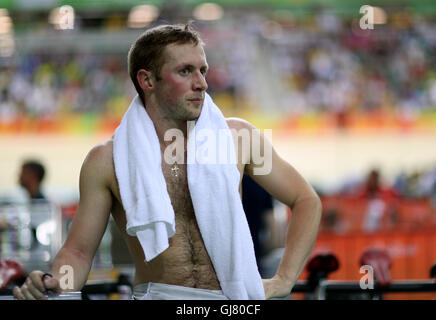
x=175, y=170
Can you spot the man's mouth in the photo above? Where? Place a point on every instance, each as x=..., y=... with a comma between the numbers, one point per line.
x=196, y=100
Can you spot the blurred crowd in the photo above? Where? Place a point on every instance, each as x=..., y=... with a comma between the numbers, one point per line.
x=418, y=184
x=45, y=85
x=372, y=204
x=335, y=66
x=323, y=63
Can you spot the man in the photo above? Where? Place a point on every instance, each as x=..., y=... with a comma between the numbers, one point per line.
x=31, y=177
x=168, y=66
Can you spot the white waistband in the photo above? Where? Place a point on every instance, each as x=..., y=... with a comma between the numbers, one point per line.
x=162, y=291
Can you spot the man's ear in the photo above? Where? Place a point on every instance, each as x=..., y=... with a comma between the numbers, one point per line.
x=145, y=80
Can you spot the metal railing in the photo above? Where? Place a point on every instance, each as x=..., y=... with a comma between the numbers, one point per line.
x=326, y=289
x=121, y=286
x=34, y=233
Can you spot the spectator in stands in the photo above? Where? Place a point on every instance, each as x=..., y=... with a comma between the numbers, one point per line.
x=31, y=176
x=373, y=188
x=379, y=202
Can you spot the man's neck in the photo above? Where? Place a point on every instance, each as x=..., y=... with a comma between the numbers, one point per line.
x=33, y=191
x=162, y=123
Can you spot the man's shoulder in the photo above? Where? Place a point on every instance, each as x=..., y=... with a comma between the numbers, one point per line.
x=102, y=151
x=100, y=157
x=239, y=123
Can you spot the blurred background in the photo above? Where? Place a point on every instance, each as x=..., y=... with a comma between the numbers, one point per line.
x=351, y=101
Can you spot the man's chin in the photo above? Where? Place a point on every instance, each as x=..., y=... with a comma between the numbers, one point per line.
x=193, y=118
x=195, y=114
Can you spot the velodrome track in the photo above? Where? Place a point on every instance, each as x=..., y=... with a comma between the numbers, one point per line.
x=326, y=160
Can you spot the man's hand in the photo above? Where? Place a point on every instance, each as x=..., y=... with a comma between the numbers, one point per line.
x=35, y=287
x=276, y=287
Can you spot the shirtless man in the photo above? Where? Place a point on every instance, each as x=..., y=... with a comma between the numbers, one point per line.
x=170, y=79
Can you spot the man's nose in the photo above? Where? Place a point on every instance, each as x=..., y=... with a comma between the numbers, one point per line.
x=200, y=82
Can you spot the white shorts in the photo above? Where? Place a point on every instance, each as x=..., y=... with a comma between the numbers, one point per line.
x=161, y=291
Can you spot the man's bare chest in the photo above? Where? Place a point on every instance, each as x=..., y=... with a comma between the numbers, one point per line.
x=177, y=186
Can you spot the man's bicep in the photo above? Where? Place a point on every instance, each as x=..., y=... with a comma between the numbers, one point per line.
x=92, y=215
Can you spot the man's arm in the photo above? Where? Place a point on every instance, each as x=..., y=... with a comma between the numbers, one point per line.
x=88, y=227
x=285, y=184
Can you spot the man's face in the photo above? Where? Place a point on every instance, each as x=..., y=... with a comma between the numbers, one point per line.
x=25, y=176
x=180, y=92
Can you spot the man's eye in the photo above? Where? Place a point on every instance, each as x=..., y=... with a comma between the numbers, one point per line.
x=184, y=72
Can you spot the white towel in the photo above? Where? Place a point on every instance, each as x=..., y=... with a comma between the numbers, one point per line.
x=214, y=189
